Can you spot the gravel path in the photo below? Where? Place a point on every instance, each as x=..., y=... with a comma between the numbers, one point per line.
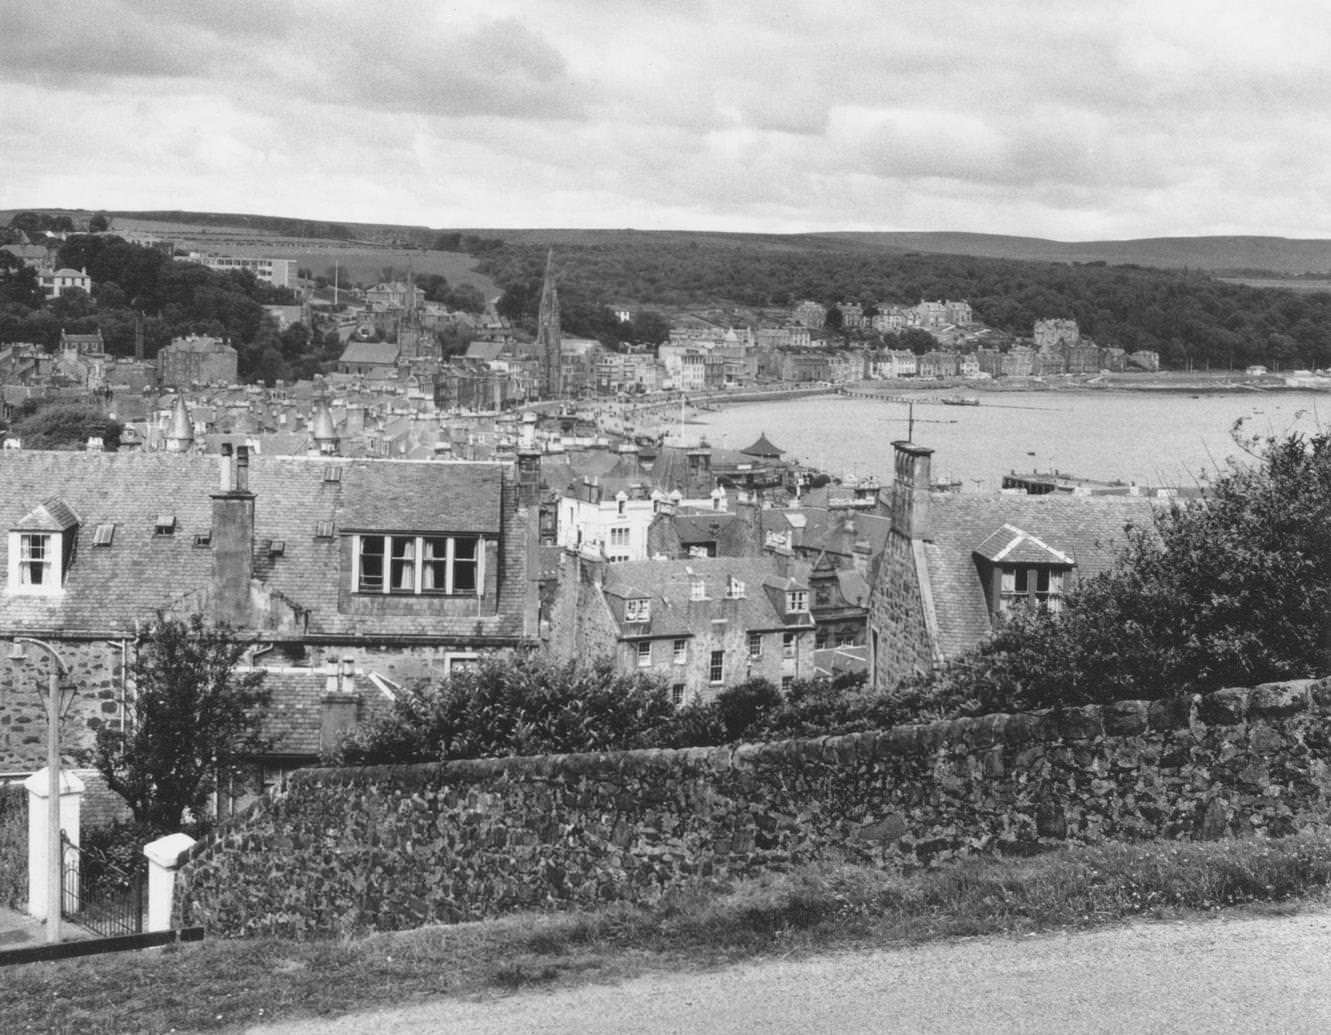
x=1228, y=975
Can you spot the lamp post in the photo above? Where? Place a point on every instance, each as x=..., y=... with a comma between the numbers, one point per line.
x=54, y=859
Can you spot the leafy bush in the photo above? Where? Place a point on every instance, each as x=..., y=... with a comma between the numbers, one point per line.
x=114, y=852
x=515, y=704
x=13, y=846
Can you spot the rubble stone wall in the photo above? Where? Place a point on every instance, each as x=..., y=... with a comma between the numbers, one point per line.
x=396, y=847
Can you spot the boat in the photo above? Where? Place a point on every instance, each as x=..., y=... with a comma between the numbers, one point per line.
x=959, y=400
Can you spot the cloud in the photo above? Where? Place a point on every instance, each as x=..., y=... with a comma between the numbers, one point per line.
x=1042, y=117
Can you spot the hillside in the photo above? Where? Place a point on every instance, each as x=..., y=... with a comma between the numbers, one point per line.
x=1216, y=254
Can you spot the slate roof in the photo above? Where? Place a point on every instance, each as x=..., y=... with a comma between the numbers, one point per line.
x=1087, y=530
x=380, y=352
x=763, y=448
x=669, y=586
x=108, y=588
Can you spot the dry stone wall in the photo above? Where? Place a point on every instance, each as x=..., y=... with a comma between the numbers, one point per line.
x=395, y=847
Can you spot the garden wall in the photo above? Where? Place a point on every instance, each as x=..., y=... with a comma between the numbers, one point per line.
x=395, y=847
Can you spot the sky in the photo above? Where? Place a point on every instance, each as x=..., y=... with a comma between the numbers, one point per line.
x=1068, y=120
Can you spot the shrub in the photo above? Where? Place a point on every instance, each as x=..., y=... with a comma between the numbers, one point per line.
x=13, y=846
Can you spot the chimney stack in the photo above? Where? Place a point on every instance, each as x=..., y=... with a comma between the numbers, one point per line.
x=910, y=490
x=232, y=539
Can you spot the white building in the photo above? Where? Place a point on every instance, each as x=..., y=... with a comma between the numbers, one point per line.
x=278, y=272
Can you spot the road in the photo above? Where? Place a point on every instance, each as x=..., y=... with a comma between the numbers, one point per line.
x=1239, y=974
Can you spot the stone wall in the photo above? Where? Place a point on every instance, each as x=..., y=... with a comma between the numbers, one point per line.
x=398, y=847
x=898, y=635
x=95, y=668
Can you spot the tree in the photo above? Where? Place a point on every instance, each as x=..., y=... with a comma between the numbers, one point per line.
x=194, y=723
x=1233, y=589
x=99, y=223
x=67, y=425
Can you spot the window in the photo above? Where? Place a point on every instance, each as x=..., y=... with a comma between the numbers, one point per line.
x=787, y=645
x=697, y=588
x=734, y=589
x=755, y=645
x=36, y=561
x=619, y=536
x=716, y=668
x=681, y=652
x=166, y=525
x=677, y=694
x=786, y=683
x=419, y=565
x=797, y=600
x=104, y=535
x=1041, y=588
x=644, y=653
x=638, y=609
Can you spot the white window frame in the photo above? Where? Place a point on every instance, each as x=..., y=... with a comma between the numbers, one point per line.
x=716, y=667
x=788, y=644
x=24, y=562
x=644, y=648
x=638, y=609
x=1022, y=585
x=681, y=652
x=755, y=645
x=797, y=600
x=404, y=554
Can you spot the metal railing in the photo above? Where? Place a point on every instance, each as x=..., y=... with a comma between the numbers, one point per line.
x=99, y=894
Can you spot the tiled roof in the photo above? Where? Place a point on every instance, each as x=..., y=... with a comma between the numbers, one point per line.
x=381, y=352
x=1088, y=530
x=669, y=587
x=109, y=588
x=1010, y=545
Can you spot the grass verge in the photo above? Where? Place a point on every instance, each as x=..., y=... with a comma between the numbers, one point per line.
x=222, y=985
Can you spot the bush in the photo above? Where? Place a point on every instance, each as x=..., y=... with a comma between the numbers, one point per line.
x=113, y=852
x=515, y=704
x=13, y=846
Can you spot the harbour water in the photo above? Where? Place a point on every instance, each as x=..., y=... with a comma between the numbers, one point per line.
x=1151, y=438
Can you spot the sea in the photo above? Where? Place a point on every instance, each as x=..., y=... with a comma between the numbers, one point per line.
x=1144, y=437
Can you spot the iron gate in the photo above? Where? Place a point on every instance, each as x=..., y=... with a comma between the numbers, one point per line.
x=100, y=895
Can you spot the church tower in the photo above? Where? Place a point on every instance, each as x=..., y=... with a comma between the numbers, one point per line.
x=547, y=334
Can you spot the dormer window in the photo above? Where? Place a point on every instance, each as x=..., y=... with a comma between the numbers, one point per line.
x=41, y=548
x=697, y=588
x=1020, y=570
x=165, y=525
x=797, y=600
x=638, y=609
x=734, y=589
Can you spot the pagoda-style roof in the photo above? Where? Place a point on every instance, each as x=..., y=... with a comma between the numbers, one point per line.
x=763, y=448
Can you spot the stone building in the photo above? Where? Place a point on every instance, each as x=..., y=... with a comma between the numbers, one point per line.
x=954, y=562
x=700, y=624
x=373, y=572
x=197, y=359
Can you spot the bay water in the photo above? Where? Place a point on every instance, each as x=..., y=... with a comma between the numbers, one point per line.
x=1150, y=438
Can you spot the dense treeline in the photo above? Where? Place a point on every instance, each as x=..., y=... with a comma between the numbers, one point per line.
x=141, y=290
x=1188, y=317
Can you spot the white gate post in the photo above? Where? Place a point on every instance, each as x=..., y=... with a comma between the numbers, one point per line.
x=163, y=861
x=71, y=798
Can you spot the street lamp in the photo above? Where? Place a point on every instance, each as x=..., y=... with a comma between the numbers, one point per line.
x=54, y=858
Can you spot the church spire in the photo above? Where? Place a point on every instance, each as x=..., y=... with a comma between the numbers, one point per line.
x=547, y=334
